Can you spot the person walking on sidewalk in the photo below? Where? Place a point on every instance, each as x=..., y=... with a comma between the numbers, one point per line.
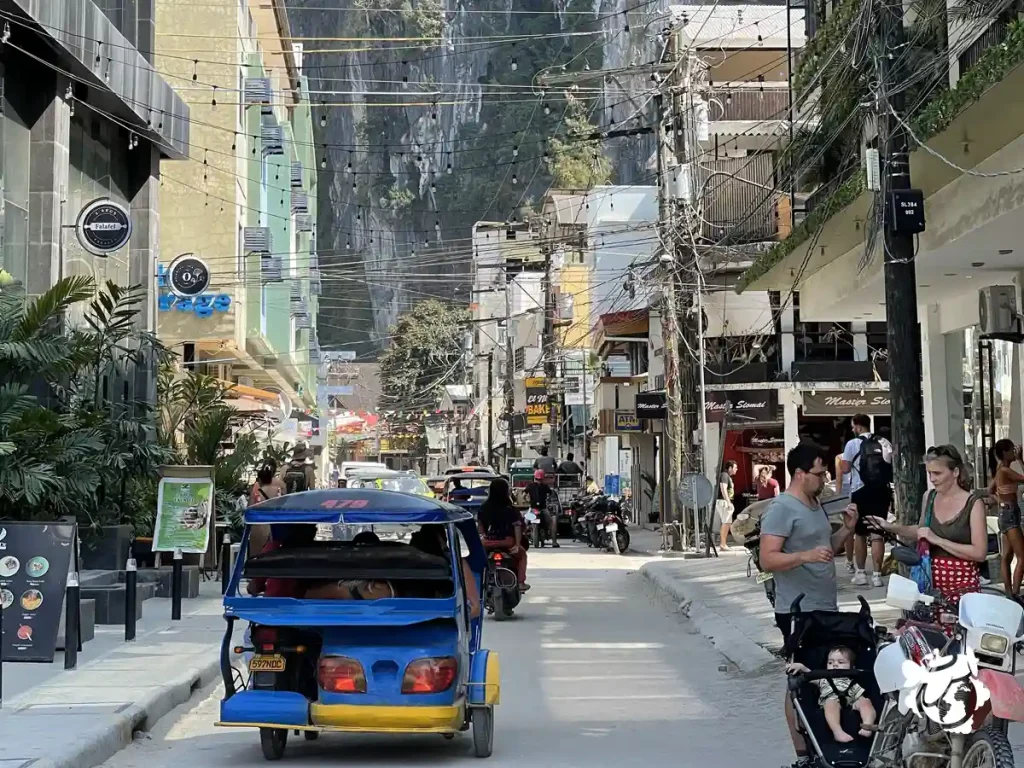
x=1004, y=487
x=843, y=489
x=724, y=506
x=867, y=459
x=798, y=547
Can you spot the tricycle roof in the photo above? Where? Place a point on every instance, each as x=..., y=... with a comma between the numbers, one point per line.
x=353, y=505
x=472, y=476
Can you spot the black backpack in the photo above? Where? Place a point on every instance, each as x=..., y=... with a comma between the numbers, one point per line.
x=295, y=477
x=874, y=470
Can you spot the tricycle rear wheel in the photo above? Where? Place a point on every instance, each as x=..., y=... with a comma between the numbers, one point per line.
x=483, y=731
x=273, y=742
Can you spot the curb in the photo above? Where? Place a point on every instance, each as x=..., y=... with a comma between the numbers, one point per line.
x=747, y=655
x=117, y=732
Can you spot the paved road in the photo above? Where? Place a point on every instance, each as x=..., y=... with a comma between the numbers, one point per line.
x=596, y=672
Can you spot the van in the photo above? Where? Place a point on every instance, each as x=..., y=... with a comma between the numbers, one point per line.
x=348, y=467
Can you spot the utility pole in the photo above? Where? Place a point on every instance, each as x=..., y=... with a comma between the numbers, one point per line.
x=510, y=370
x=548, y=348
x=902, y=218
x=490, y=408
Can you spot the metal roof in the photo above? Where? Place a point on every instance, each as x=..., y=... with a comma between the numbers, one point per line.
x=738, y=26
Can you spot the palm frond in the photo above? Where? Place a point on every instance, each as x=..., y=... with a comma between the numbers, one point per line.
x=44, y=312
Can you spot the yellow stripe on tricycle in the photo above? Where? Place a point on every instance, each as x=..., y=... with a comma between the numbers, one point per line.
x=388, y=719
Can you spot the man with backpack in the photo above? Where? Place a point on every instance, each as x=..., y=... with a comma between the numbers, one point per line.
x=299, y=475
x=867, y=460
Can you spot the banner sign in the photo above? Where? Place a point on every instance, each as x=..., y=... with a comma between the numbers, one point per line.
x=34, y=561
x=651, y=405
x=627, y=421
x=756, y=405
x=538, y=409
x=846, y=403
x=183, y=514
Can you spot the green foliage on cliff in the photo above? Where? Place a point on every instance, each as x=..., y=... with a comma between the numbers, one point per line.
x=424, y=353
x=576, y=162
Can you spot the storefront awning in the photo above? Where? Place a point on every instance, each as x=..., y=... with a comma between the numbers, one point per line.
x=243, y=390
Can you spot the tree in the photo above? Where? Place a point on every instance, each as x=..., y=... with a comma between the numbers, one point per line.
x=425, y=353
x=578, y=163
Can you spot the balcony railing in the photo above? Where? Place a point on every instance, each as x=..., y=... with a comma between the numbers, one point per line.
x=753, y=104
x=990, y=38
x=739, y=206
x=839, y=370
x=741, y=373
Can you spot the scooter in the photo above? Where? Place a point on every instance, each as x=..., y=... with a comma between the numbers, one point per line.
x=930, y=680
x=765, y=578
x=502, y=592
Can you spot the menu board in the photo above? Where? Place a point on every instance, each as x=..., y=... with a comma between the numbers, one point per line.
x=34, y=560
x=183, y=512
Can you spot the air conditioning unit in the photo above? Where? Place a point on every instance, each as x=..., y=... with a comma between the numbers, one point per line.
x=997, y=314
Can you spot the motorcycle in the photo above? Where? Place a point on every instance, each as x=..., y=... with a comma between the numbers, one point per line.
x=532, y=519
x=612, y=531
x=501, y=586
x=955, y=698
x=748, y=525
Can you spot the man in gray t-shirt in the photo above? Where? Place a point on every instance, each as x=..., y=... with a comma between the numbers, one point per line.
x=798, y=547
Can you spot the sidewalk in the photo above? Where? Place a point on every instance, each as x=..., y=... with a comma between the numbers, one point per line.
x=731, y=609
x=79, y=718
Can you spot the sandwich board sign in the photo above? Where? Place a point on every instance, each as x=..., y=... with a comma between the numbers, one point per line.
x=185, y=509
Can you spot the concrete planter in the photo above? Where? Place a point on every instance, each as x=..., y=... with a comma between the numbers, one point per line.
x=106, y=549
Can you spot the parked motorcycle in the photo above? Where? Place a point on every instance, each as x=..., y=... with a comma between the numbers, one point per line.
x=748, y=525
x=612, y=531
x=945, y=716
x=501, y=586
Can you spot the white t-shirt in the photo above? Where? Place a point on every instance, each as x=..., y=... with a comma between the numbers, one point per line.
x=852, y=452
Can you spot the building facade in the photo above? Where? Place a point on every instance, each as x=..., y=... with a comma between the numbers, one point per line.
x=86, y=117
x=245, y=205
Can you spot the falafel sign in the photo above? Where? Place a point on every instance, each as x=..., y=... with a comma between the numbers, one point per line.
x=184, y=510
x=34, y=561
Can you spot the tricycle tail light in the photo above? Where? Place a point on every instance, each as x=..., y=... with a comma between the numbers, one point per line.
x=340, y=674
x=996, y=644
x=264, y=638
x=433, y=675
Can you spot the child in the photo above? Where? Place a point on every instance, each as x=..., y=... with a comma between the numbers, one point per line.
x=840, y=657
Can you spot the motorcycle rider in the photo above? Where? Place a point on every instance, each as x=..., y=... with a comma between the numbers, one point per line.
x=501, y=526
x=539, y=492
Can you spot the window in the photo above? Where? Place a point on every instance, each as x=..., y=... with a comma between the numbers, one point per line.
x=520, y=358
x=15, y=138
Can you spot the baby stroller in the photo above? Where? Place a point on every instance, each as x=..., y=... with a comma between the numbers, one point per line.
x=814, y=634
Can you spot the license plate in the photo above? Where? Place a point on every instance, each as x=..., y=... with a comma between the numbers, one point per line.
x=611, y=527
x=274, y=663
x=764, y=576
x=600, y=527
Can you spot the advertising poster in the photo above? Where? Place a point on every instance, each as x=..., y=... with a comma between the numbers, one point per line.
x=34, y=560
x=184, y=508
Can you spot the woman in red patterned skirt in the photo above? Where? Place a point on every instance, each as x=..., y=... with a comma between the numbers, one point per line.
x=952, y=523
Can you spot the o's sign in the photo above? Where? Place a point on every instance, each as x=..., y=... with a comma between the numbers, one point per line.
x=103, y=227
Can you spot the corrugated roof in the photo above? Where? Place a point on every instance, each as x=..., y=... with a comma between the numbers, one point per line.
x=739, y=26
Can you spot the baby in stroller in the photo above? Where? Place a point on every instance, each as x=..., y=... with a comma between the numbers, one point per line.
x=832, y=685
x=832, y=689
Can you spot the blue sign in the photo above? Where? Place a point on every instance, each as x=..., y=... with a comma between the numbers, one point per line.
x=611, y=485
x=204, y=305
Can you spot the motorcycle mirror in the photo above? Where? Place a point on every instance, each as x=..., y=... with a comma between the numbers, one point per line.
x=906, y=555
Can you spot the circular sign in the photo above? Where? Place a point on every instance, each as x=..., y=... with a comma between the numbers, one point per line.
x=695, y=491
x=103, y=227
x=188, y=275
